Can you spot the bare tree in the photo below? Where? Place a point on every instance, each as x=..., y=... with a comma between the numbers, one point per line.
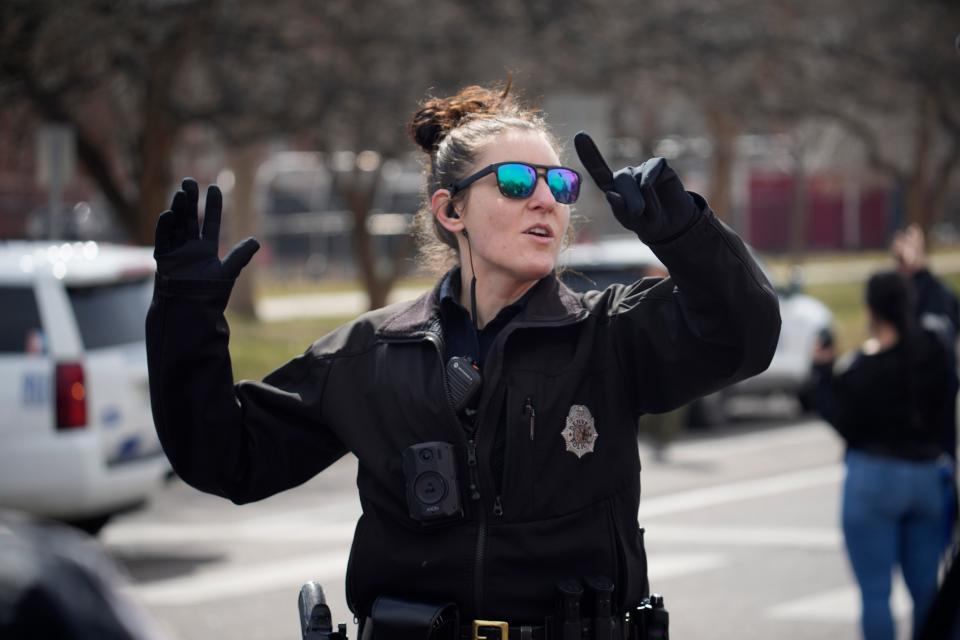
x=139, y=72
x=346, y=74
x=884, y=70
x=887, y=73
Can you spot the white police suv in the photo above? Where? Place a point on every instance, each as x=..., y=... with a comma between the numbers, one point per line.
x=77, y=441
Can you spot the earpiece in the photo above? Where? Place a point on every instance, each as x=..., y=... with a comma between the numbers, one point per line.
x=452, y=213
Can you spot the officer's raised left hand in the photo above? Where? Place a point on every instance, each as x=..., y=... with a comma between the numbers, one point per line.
x=184, y=251
x=649, y=200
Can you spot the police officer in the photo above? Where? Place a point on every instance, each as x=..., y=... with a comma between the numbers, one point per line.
x=543, y=481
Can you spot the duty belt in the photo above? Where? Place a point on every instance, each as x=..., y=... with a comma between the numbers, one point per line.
x=398, y=619
x=499, y=630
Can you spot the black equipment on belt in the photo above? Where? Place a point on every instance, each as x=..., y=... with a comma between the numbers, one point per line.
x=399, y=619
x=649, y=620
x=604, y=624
x=588, y=614
x=569, y=592
x=576, y=617
x=315, y=619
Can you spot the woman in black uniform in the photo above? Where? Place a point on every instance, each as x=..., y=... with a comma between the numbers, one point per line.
x=543, y=480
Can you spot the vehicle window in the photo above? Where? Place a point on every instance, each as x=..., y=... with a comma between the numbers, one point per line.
x=114, y=314
x=20, y=328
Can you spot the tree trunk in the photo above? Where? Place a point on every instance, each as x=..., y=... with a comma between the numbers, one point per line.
x=918, y=186
x=940, y=189
x=358, y=189
x=156, y=178
x=799, y=211
x=158, y=137
x=241, y=220
x=723, y=130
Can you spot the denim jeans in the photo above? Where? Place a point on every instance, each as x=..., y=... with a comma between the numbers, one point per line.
x=893, y=515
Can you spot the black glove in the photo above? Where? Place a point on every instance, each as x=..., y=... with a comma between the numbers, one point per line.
x=649, y=200
x=183, y=253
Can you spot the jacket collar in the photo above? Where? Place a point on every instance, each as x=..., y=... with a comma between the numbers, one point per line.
x=550, y=303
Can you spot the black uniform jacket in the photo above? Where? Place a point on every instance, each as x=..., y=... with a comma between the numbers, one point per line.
x=376, y=386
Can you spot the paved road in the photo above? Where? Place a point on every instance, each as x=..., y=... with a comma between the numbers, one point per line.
x=741, y=528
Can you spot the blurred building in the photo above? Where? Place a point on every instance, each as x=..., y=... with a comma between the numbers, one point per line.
x=819, y=195
x=24, y=204
x=306, y=224
x=833, y=202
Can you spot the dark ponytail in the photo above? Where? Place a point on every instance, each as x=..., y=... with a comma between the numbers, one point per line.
x=438, y=116
x=891, y=298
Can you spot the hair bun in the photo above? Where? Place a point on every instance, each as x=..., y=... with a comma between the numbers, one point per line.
x=437, y=116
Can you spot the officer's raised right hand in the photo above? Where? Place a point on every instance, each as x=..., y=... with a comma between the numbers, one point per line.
x=649, y=200
x=183, y=252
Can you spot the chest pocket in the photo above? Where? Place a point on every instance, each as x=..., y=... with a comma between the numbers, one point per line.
x=570, y=438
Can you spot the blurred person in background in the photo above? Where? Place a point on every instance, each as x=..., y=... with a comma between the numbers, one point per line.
x=935, y=302
x=888, y=400
x=541, y=434
x=936, y=305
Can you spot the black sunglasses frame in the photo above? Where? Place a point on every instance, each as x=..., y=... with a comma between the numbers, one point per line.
x=462, y=185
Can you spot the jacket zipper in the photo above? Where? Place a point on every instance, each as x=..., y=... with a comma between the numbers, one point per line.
x=472, y=466
x=481, y=525
x=530, y=415
x=474, y=486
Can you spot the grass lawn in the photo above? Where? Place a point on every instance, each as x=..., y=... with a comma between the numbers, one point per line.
x=257, y=348
x=844, y=299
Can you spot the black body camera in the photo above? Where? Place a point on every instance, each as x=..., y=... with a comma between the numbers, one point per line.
x=430, y=471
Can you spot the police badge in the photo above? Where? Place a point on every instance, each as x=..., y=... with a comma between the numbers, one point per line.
x=580, y=434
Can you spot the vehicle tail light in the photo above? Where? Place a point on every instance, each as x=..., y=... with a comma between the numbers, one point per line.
x=71, y=396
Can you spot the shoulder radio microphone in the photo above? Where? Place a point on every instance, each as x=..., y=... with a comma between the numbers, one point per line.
x=464, y=382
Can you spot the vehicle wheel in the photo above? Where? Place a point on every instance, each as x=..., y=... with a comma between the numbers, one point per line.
x=91, y=525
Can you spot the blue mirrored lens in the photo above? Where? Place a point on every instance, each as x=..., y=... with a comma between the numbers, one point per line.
x=516, y=180
x=565, y=185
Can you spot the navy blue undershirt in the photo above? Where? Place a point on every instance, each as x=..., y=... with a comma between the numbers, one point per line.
x=460, y=338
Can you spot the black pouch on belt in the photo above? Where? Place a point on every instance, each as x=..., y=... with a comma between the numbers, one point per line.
x=397, y=619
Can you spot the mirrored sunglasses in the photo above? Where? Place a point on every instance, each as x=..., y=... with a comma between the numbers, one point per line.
x=518, y=180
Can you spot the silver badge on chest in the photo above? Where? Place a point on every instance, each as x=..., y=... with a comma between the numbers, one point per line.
x=580, y=433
